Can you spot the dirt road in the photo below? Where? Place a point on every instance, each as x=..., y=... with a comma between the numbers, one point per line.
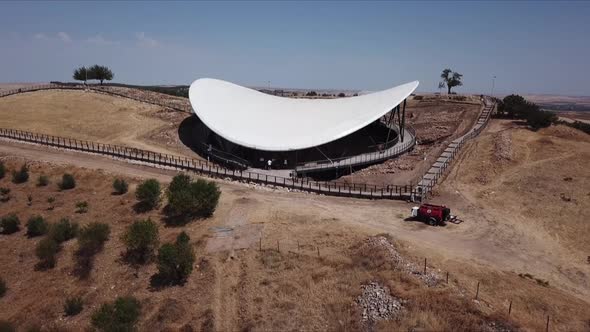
x=480, y=240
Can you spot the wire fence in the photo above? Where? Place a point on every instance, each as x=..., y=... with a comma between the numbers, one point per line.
x=443, y=163
x=429, y=274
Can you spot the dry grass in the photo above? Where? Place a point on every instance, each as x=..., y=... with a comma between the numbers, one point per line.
x=93, y=116
x=290, y=289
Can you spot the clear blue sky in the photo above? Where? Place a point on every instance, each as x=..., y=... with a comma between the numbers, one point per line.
x=532, y=47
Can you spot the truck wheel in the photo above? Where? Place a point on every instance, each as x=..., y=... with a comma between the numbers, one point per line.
x=432, y=221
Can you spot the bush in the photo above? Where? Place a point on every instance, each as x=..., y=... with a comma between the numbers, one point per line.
x=21, y=176
x=51, y=200
x=148, y=194
x=122, y=315
x=3, y=287
x=541, y=119
x=9, y=224
x=46, y=250
x=67, y=182
x=120, y=186
x=175, y=261
x=90, y=241
x=141, y=239
x=82, y=207
x=42, y=181
x=63, y=230
x=2, y=170
x=73, y=306
x=188, y=199
x=37, y=226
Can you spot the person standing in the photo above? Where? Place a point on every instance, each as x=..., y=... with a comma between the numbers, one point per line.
x=269, y=164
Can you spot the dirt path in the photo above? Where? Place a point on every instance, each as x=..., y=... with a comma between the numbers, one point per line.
x=481, y=239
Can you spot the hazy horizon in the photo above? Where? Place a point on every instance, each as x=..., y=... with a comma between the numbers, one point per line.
x=531, y=47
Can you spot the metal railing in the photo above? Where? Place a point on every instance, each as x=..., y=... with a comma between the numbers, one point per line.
x=438, y=169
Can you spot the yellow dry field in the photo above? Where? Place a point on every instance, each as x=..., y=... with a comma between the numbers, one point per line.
x=96, y=117
x=289, y=284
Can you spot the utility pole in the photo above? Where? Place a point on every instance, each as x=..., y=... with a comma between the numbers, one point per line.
x=493, y=84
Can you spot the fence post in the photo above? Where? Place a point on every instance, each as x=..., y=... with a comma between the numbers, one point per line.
x=547, y=326
x=510, y=308
x=424, y=265
x=477, y=291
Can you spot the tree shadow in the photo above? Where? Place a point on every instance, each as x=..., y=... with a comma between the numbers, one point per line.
x=142, y=207
x=159, y=282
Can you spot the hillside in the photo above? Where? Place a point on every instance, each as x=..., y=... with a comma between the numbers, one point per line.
x=95, y=116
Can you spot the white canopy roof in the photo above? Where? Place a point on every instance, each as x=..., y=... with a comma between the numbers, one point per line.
x=264, y=122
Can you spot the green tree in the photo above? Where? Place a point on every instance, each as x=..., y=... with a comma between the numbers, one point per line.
x=148, y=194
x=189, y=199
x=63, y=230
x=122, y=315
x=175, y=261
x=46, y=250
x=121, y=186
x=101, y=73
x=67, y=182
x=9, y=224
x=21, y=175
x=450, y=79
x=37, y=226
x=81, y=74
x=141, y=239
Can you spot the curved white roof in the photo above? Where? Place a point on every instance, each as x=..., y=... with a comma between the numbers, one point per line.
x=264, y=122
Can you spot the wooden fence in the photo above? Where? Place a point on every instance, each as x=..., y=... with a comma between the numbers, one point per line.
x=359, y=190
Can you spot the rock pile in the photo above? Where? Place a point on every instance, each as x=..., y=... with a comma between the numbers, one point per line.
x=503, y=147
x=377, y=303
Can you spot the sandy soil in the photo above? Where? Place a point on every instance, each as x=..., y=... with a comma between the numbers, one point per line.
x=233, y=289
x=94, y=116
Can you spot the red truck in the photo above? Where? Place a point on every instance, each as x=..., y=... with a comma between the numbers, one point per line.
x=433, y=214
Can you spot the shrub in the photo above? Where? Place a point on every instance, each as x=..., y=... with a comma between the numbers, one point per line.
x=63, y=230
x=175, y=261
x=37, y=226
x=90, y=241
x=188, y=199
x=73, y=306
x=67, y=182
x=122, y=315
x=120, y=186
x=46, y=250
x=2, y=170
x=9, y=224
x=29, y=200
x=141, y=239
x=148, y=194
x=82, y=207
x=42, y=181
x=21, y=176
x=3, y=287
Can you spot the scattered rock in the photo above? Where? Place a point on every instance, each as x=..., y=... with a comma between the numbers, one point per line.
x=377, y=303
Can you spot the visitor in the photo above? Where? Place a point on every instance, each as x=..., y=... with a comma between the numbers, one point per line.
x=269, y=164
